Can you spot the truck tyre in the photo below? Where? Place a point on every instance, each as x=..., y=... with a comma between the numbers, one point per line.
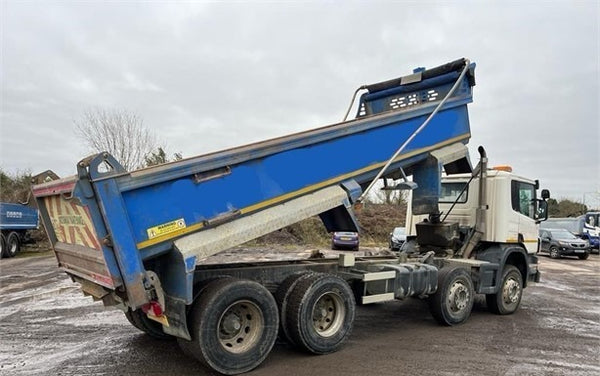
x=554, y=253
x=453, y=301
x=584, y=256
x=13, y=244
x=282, y=297
x=234, y=324
x=189, y=348
x=320, y=313
x=129, y=316
x=139, y=320
x=3, y=246
x=507, y=300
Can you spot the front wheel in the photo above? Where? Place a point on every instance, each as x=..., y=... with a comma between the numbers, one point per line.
x=453, y=301
x=554, y=253
x=234, y=325
x=584, y=256
x=508, y=299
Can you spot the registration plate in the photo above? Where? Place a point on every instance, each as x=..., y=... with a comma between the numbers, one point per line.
x=345, y=238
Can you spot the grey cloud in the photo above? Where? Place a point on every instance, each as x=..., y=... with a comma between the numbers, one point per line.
x=206, y=76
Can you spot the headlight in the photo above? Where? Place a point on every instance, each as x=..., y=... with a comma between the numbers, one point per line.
x=563, y=243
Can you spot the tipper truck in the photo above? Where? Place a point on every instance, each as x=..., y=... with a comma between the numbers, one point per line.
x=148, y=241
x=16, y=220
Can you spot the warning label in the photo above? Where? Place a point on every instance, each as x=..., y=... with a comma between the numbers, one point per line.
x=166, y=228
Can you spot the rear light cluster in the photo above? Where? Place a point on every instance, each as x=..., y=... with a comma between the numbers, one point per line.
x=153, y=308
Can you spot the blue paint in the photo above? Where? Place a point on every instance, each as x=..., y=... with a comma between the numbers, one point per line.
x=126, y=255
x=17, y=217
x=254, y=181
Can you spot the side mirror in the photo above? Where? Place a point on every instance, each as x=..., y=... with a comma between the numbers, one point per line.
x=545, y=194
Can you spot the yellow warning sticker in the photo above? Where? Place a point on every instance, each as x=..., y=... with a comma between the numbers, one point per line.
x=166, y=228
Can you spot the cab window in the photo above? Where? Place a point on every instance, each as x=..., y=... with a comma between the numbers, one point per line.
x=523, y=198
x=450, y=192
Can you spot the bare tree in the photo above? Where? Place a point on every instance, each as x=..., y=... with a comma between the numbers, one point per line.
x=389, y=197
x=118, y=132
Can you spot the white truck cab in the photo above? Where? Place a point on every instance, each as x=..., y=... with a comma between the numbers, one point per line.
x=512, y=210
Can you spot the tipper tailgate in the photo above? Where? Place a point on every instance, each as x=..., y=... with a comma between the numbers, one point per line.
x=71, y=224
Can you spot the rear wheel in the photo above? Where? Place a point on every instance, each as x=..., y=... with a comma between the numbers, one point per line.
x=320, y=313
x=234, y=324
x=282, y=297
x=129, y=316
x=13, y=244
x=453, y=301
x=584, y=256
x=3, y=246
x=189, y=348
x=508, y=299
x=139, y=320
x=554, y=253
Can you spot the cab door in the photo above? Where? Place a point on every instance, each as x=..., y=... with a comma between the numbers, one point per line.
x=524, y=203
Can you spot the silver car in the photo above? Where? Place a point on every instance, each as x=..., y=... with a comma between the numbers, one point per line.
x=397, y=238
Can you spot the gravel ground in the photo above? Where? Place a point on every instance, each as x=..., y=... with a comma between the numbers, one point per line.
x=49, y=328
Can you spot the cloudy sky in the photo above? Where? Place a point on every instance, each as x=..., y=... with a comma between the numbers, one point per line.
x=208, y=75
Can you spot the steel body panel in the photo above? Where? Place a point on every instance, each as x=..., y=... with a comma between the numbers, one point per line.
x=17, y=217
x=121, y=240
x=288, y=172
x=90, y=259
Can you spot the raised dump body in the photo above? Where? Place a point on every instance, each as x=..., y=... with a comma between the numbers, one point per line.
x=136, y=239
x=104, y=224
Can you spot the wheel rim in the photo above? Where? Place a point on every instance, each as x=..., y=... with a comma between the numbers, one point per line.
x=553, y=252
x=458, y=297
x=13, y=248
x=511, y=291
x=328, y=314
x=240, y=326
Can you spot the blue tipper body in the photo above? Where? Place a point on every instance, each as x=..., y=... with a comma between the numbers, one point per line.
x=135, y=217
x=17, y=217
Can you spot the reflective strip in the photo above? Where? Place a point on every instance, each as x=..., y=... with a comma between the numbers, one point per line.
x=524, y=241
x=72, y=224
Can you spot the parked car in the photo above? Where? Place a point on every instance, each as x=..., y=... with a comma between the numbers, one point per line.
x=342, y=239
x=560, y=242
x=397, y=238
x=583, y=227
